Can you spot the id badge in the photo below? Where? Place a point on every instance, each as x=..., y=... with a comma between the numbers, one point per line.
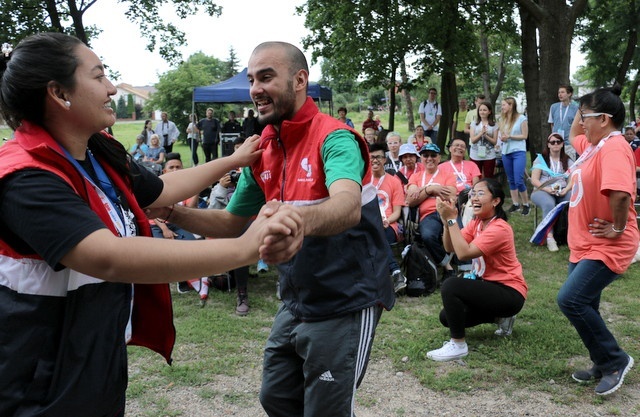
x=482, y=151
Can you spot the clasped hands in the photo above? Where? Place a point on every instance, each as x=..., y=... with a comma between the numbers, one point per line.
x=279, y=229
x=446, y=209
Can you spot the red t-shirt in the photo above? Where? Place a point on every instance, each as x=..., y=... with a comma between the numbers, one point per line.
x=613, y=168
x=462, y=172
x=498, y=262
x=423, y=178
x=390, y=195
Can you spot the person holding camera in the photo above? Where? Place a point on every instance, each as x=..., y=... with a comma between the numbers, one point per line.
x=219, y=198
x=551, y=185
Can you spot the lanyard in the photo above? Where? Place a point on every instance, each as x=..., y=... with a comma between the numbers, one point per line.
x=590, y=152
x=555, y=166
x=380, y=181
x=459, y=174
x=106, y=193
x=394, y=163
x=424, y=177
x=563, y=116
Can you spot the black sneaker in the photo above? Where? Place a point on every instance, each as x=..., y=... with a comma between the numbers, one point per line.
x=184, y=287
x=513, y=208
x=399, y=281
x=525, y=209
x=587, y=375
x=610, y=383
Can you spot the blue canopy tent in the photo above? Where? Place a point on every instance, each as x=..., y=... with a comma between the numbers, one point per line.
x=236, y=90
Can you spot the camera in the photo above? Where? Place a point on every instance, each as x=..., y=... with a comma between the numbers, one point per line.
x=234, y=176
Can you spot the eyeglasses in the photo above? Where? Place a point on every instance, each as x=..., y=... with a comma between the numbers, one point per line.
x=426, y=155
x=474, y=193
x=587, y=115
x=377, y=157
x=555, y=142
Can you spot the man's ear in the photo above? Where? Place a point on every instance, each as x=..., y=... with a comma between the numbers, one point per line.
x=301, y=80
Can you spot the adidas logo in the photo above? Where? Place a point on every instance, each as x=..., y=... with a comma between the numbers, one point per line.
x=326, y=376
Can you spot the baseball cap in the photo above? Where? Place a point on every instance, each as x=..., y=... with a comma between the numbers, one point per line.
x=407, y=149
x=430, y=147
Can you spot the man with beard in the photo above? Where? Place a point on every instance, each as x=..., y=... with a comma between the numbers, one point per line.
x=335, y=288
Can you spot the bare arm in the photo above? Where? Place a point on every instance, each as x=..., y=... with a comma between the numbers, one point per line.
x=576, y=128
x=146, y=260
x=452, y=236
x=182, y=184
x=619, y=202
x=340, y=212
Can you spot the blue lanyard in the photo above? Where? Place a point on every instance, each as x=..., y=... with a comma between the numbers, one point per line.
x=103, y=179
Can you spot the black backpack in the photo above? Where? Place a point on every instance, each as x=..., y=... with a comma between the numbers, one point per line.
x=561, y=226
x=420, y=269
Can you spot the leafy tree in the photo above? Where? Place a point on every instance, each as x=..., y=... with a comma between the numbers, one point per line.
x=174, y=90
x=130, y=105
x=20, y=18
x=611, y=45
x=232, y=63
x=121, y=111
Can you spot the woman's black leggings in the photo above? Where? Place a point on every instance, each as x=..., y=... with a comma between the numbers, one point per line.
x=468, y=303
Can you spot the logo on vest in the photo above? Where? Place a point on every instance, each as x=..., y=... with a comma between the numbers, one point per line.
x=265, y=175
x=306, y=167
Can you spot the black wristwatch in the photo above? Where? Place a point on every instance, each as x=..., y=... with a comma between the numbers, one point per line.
x=451, y=222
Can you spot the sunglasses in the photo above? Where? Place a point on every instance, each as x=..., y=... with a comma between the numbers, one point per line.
x=555, y=142
x=426, y=155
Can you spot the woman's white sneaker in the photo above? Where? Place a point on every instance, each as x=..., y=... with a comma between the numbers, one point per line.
x=449, y=351
x=552, y=245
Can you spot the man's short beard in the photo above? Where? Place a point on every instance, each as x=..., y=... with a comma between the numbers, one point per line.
x=284, y=110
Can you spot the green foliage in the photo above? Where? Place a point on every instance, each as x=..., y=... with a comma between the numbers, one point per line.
x=232, y=64
x=130, y=105
x=20, y=18
x=174, y=90
x=121, y=109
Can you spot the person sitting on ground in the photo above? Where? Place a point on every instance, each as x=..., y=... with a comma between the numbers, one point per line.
x=409, y=160
x=495, y=289
x=552, y=163
x=422, y=191
x=342, y=116
x=139, y=149
x=391, y=199
x=418, y=139
x=392, y=163
x=163, y=229
x=630, y=136
x=155, y=153
x=219, y=199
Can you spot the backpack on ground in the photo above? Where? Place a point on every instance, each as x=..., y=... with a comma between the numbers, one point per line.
x=420, y=269
x=561, y=226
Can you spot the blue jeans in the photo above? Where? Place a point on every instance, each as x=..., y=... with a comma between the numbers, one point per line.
x=391, y=238
x=579, y=300
x=431, y=233
x=546, y=201
x=514, y=164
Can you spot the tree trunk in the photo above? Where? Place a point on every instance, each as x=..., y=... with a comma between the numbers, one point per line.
x=545, y=64
x=406, y=94
x=633, y=91
x=78, y=25
x=392, y=98
x=448, y=101
x=627, y=57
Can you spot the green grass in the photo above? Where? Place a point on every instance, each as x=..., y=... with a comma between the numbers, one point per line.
x=539, y=356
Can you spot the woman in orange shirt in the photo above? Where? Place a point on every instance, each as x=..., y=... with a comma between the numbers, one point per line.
x=603, y=235
x=495, y=290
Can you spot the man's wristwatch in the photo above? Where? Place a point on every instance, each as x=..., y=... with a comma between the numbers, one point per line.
x=451, y=222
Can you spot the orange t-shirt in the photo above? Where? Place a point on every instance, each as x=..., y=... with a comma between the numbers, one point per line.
x=498, y=262
x=423, y=178
x=463, y=173
x=613, y=168
x=390, y=194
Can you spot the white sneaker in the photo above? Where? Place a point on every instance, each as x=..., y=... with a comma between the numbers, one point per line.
x=551, y=244
x=449, y=351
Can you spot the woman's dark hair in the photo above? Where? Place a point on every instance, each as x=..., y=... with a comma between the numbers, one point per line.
x=25, y=76
x=495, y=188
x=492, y=115
x=36, y=61
x=606, y=100
x=564, y=158
x=344, y=109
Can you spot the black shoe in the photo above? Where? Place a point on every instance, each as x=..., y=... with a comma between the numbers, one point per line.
x=184, y=287
x=610, y=383
x=587, y=375
x=525, y=210
x=399, y=281
x=513, y=208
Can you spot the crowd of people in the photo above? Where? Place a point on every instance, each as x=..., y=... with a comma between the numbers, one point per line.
x=303, y=191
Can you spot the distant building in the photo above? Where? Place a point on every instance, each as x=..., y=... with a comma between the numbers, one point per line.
x=140, y=94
